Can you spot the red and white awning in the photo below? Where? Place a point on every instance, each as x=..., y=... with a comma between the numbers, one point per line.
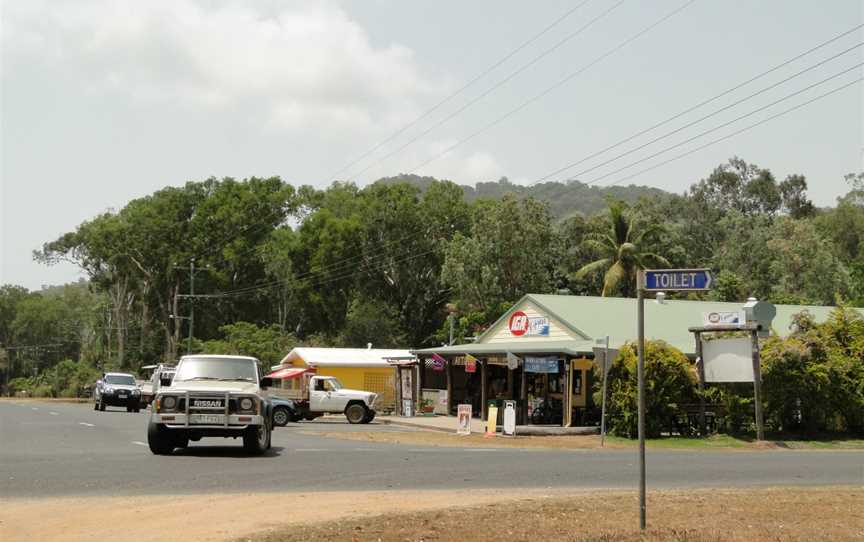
x=288, y=373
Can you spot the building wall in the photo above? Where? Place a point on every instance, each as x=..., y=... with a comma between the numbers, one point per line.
x=557, y=330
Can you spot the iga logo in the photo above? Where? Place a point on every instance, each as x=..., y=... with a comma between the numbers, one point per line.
x=519, y=323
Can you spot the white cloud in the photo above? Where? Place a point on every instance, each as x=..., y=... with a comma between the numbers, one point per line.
x=294, y=67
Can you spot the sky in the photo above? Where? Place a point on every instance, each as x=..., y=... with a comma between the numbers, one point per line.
x=104, y=101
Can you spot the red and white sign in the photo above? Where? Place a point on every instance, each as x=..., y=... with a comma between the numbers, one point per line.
x=518, y=323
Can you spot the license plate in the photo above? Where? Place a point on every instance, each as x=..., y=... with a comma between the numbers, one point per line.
x=122, y=394
x=209, y=419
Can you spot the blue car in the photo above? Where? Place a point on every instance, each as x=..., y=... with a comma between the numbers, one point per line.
x=284, y=411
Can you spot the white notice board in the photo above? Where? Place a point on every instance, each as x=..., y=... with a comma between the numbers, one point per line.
x=728, y=360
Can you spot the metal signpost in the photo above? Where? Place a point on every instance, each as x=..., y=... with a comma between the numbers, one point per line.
x=603, y=352
x=658, y=280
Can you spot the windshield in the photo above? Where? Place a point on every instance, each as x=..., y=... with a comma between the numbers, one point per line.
x=122, y=380
x=216, y=369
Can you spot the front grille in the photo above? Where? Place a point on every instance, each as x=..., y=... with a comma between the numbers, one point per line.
x=232, y=405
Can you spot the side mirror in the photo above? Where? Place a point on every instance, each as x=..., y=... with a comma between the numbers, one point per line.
x=98, y=382
x=267, y=382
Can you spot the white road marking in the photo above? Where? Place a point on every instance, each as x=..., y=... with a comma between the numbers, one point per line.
x=422, y=450
x=86, y=424
x=139, y=443
x=54, y=413
x=311, y=450
x=33, y=408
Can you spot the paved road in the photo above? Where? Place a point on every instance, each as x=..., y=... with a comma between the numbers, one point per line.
x=51, y=449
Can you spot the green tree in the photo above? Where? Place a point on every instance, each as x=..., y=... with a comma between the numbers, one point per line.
x=505, y=256
x=267, y=343
x=622, y=251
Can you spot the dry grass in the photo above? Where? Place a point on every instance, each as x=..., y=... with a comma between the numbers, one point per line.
x=583, y=442
x=474, y=440
x=695, y=516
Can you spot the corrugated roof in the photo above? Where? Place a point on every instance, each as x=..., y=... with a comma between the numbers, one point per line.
x=597, y=317
x=574, y=348
x=344, y=357
x=669, y=321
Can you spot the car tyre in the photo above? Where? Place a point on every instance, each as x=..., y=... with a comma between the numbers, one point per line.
x=356, y=413
x=95, y=405
x=101, y=406
x=370, y=415
x=256, y=439
x=281, y=416
x=159, y=439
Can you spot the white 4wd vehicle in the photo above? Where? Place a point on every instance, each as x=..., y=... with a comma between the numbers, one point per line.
x=212, y=396
x=319, y=395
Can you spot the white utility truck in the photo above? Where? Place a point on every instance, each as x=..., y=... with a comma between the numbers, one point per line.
x=212, y=396
x=319, y=395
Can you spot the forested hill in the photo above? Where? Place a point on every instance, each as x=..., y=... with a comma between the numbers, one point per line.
x=565, y=199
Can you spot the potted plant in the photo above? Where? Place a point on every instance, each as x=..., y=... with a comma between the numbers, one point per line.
x=427, y=408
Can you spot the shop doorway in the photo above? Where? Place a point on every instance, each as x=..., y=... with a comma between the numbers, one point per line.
x=545, y=398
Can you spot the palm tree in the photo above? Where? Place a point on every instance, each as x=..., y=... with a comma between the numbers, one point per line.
x=622, y=251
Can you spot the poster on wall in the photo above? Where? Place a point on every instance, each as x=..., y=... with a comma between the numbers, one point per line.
x=541, y=364
x=463, y=420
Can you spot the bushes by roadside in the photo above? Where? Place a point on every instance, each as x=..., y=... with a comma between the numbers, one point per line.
x=669, y=383
x=66, y=379
x=813, y=380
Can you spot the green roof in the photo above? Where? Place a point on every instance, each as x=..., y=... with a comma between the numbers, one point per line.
x=573, y=348
x=595, y=317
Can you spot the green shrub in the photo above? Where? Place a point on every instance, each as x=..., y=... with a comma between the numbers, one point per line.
x=669, y=382
x=813, y=381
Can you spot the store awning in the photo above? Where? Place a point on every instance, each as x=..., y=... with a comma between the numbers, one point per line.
x=288, y=373
x=571, y=348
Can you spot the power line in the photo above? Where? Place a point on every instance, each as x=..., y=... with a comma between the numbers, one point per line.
x=542, y=94
x=697, y=121
x=464, y=87
x=709, y=100
x=742, y=130
x=715, y=141
x=490, y=90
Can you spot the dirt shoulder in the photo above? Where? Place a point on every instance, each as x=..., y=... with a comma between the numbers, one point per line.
x=695, y=516
x=445, y=516
x=217, y=517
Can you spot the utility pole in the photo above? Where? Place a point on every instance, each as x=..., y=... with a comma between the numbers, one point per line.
x=191, y=296
x=640, y=300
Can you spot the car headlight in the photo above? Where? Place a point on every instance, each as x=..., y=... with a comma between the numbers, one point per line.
x=109, y=389
x=246, y=403
x=169, y=402
x=136, y=392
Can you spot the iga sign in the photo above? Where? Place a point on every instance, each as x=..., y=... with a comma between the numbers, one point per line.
x=723, y=318
x=523, y=325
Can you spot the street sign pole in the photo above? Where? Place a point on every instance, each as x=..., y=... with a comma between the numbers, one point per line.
x=603, y=403
x=640, y=297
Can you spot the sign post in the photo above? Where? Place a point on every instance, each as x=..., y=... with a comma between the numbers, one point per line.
x=640, y=371
x=658, y=280
x=603, y=352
